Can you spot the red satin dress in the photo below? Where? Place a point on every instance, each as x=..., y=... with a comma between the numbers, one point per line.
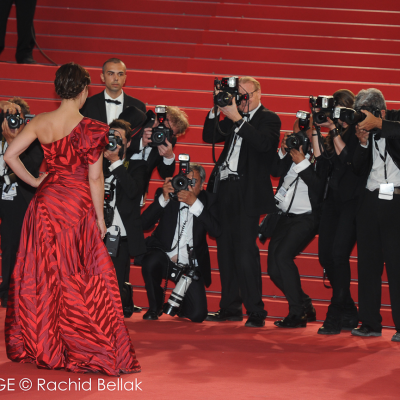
x=64, y=308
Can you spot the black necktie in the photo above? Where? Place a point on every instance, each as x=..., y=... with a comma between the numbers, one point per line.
x=113, y=101
x=246, y=115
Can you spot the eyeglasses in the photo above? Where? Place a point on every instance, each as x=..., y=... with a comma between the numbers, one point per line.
x=251, y=93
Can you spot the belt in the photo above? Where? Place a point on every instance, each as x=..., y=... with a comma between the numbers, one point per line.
x=396, y=190
x=291, y=215
x=232, y=177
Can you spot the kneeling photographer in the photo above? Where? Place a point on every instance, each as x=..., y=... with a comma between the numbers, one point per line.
x=15, y=194
x=124, y=184
x=178, y=249
x=302, y=173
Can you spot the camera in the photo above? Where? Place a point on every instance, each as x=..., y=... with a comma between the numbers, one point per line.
x=297, y=140
x=181, y=181
x=326, y=104
x=160, y=133
x=229, y=89
x=109, y=192
x=183, y=275
x=304, y=119
x=15, y=120
x=351, y=116
x=114, y=140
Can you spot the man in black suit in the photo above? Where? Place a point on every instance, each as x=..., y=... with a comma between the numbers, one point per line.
x=124, y=181
x=181, y=223
x=244, y=192
x=15, y=195
x=377, y=160
x=303, y=174
x=109, y=104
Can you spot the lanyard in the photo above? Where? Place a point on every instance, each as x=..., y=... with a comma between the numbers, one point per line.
x=183, y=225
x=383, y=158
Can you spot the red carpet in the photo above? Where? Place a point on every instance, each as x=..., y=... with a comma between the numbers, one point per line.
x=181, y=360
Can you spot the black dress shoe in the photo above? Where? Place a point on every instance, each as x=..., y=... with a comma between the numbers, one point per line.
x=152, y=315
x=224, y=315
x=137, y=309
x=255, y=321
x=292, y=321
x=27, y=60
x=365, y=331
x=310, y=313
x=350, y=318
x=332, y=325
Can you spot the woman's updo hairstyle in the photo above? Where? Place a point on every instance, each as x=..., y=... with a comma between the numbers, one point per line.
x=70, y=80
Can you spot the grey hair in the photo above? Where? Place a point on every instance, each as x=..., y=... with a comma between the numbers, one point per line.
x=200, y=170
x=370, y=98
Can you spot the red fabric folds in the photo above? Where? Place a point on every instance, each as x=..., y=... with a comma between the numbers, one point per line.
x=64, y=308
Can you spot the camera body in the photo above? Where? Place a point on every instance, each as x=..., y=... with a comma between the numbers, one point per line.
x=181, y=181
x=15, y=121
x=297, y=140
x=229, y=89
x=304, y=119
x=114, y=140
x=326, y=104
x=352, y=117
x=160, y=133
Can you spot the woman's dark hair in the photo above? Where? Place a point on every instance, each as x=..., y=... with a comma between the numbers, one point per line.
x=344, y=98
x=70, y=80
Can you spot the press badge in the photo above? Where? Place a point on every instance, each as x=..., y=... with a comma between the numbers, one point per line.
x=10, y=193
x=386, y=191
x=280, y=194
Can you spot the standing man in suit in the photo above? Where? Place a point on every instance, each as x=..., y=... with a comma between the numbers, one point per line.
x=377, y=160
x=244, y=192
x=109, y=104
x=125, y=181
x=181, y=223
x=15, y=195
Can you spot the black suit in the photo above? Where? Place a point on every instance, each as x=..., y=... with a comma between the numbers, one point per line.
x=154, y=264
x=12, y=214
x=154, y=160
x=240, y=204
x=129, y=188
x=378, y=235
x=95, y=106
x=294, y=231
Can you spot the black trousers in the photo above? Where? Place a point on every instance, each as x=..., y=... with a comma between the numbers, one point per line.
x=238, y=254
x=378, y=241
x=122, y=265
x=25, y=13
x=290, y=237
x=154, y=269
x=12, y=213
x=337, y=237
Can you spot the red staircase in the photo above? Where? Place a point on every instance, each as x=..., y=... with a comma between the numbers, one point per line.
x=173, y=51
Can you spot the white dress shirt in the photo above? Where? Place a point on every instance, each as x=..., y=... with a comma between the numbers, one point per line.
x=301, y=202
x=185, y=221
x=114, y=110
x=145, y=152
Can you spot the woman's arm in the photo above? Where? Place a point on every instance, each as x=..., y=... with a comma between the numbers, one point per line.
x=96, y=183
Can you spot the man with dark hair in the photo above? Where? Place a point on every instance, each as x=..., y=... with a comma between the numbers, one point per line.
x=109, y=104
x=241, y=179
x=124, y=183
x=25, y=12
x=182, y=225
x=377, y=159
x=15, y=195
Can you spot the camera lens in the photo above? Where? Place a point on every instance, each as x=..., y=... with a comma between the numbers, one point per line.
x=223, y=99
x=180, y=182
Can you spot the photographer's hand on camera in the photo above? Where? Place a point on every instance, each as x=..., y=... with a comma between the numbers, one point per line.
x=166, y=151
x=146, y=139
x=167, y=188
x=328, y=124
x=112, y=156
x=187, y=196
x=370, y=122
x=231, y=111
x=283, y=144
x=297, y=156
x=11, y=108
x=362, y=135
x=9, y=134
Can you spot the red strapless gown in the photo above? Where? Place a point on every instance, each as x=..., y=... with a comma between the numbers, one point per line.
x=64, y=308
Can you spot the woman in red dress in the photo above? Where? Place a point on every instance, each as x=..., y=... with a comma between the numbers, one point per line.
x=64, y=308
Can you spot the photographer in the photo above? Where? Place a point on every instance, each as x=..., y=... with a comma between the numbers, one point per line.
x=181, y=224
x=302, y=173
x=161, y=156
x=124, y=184
x=377, y=161
x=337, y=231
x=241, y=180
x=15, y=194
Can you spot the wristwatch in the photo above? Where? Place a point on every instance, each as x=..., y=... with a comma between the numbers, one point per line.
x=239, y=123
x=334, y=132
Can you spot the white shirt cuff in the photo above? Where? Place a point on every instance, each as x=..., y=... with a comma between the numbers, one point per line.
x=162, y=201
x=196, y=208
x=281, y=155
x=115, y=165
x=169, y=161
x=301, y=166
x=365, y=145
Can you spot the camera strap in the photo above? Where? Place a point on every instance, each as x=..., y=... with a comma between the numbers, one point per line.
x=183, y=226
x=383, y=157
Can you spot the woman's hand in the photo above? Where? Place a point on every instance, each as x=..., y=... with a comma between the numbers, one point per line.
x=39, y=180
x=102, y=227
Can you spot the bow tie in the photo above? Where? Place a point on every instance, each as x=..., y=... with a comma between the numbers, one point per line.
x=113, y=101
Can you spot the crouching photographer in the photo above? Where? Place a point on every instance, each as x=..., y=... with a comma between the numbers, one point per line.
x=299, y=195
x=15, y=194
x=124, y=184
x=178, y=249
